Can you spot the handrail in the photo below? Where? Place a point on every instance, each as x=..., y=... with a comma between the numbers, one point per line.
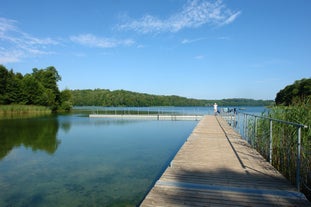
x=271, y=120
x=277, y=120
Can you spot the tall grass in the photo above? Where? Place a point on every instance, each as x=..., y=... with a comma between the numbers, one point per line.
x=285, y=141
x=7, y=111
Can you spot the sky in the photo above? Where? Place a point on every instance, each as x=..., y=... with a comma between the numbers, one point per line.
x=203, y=49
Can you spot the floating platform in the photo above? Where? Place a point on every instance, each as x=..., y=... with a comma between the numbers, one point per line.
x=149, y=117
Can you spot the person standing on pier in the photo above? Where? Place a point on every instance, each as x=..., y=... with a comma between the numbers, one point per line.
x=215, y=109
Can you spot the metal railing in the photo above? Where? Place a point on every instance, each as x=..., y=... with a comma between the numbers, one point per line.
x=152, y=110
x=277, y=140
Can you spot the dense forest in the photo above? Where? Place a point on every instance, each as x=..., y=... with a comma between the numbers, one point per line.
x=104, y=97
x=38, y=88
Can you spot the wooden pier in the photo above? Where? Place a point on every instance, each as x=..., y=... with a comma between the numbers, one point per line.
x=215, y=167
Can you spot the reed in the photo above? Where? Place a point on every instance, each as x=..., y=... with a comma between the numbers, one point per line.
x=22, y=110
x=284, y=156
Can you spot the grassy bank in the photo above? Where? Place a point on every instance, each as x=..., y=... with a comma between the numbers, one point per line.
x=22, y=110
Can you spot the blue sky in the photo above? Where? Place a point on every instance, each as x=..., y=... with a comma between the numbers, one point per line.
x=194, y=48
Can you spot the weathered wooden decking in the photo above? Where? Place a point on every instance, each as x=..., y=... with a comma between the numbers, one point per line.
x=215, y=167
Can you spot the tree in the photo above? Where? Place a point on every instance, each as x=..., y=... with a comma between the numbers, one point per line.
x=4, y=73
x=300, y=90
x=48, y=78
x=38, y=88
x=14, y=87
x=34, y=92
x=66, y=100
x=104, y=97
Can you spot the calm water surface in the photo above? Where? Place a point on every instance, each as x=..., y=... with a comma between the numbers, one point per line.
x=72, y=160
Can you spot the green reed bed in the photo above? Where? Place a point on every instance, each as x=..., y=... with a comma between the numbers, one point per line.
x=287, y=138
x=285, y=142
x=22, y=110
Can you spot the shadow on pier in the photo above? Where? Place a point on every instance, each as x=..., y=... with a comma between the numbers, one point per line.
x=215, y=167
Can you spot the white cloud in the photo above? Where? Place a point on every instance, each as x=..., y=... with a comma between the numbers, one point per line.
x=232, y=17
x=199, y=57
x=18, y=44
x=194, y=14
x=188, y=41
x=10, y=56
x=91, y=40
x=39, y=41
x=141, y=46
x=223, y=38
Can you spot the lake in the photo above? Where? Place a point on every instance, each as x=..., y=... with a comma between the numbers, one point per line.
x=74, y=160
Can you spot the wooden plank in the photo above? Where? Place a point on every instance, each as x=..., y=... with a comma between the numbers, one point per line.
x=164, y=196
x=215, y=167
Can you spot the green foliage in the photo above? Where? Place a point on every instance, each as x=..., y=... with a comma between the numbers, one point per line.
x=33, y=92
x=66, y=100
x=104, y=97
x=285, y=140
x=20, y=109
x=49, y=78
x=293, y=105
x=14, y=111
x=298, y=91
x=287, y=137
x=243, y=102
x=38, y=88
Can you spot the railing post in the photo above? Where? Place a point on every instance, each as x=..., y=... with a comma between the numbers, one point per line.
x=244, y=126
x=255, y=127
x=270, y=145
x=298, y=158
x=254, y=132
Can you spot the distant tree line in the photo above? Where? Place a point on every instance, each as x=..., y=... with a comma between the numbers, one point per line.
x=104, y=97
x=38, y=88
x=244, y=102
x=299, y=91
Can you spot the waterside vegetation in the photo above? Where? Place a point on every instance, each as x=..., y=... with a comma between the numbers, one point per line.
x=293, y=104
x=39, y=88
x=13, y=109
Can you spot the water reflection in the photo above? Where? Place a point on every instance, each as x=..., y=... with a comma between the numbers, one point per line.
x=34, y=133
x=94, y=162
